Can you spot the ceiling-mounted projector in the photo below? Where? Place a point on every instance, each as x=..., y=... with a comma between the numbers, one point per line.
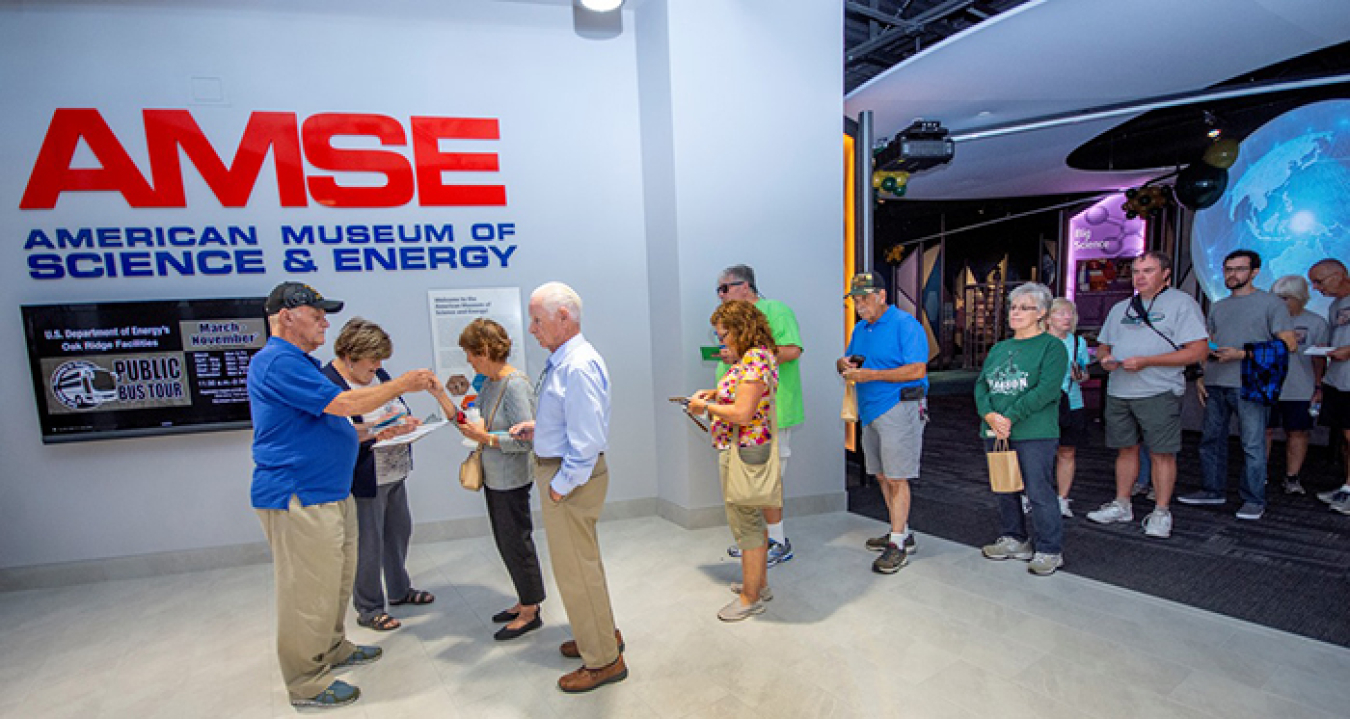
x=921, y=146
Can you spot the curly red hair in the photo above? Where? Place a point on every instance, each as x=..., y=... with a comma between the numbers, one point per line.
x=746, y=326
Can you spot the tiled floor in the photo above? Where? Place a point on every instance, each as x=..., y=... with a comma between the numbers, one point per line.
x=952, y=635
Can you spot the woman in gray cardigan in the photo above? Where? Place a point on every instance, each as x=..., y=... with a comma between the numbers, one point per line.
x=506, y=398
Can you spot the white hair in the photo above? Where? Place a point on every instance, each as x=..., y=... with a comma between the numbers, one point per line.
x=1291, y=286
x=1038, y=292
x=556, y=295
x=1066, y=304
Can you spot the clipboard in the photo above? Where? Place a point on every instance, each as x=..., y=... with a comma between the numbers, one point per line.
x=419, y=432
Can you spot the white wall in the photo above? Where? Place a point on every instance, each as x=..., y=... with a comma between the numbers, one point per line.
x=742, y=140
x=637, y=164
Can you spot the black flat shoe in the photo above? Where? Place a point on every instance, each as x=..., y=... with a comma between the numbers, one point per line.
x=504, y=616
x=506, y=633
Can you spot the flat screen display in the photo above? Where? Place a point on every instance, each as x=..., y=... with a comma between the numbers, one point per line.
x=125, y=369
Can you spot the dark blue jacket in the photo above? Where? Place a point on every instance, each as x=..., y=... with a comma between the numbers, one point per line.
x=363, y=478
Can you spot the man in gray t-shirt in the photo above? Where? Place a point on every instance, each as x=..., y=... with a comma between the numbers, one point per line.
x=1146, y=343
x=1175, y=320
x=1329, y=277
x=1246, y=316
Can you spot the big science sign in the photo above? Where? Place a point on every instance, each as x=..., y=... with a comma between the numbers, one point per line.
x=337, y=161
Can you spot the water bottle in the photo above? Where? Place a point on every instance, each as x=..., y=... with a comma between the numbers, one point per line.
x=471, y=415
x=1315, y=409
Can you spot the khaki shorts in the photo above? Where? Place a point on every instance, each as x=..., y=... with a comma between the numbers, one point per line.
x=746, y=523
x=1155, y=420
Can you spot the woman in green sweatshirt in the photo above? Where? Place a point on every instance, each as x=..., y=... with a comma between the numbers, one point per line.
x=1017, y=396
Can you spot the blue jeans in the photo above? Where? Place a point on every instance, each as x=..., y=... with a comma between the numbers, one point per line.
x=1036, y=458
x=1222, y=403
x=1145, y=478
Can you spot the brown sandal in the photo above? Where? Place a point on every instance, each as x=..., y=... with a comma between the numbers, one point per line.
x=380, y=622
x=415, y=596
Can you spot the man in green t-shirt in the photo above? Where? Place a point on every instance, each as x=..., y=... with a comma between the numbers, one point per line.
x=738, y=283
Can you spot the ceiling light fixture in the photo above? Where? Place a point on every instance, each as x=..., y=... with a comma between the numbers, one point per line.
x=601, y=5
x=1212, y=122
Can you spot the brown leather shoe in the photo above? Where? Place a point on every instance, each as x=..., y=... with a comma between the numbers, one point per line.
x=569, y=648
x=584, y=680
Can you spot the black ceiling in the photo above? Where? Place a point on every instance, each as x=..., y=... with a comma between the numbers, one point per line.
x=882, y=33
x=1177, y=136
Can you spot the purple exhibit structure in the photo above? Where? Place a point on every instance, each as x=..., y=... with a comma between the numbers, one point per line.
x=1102, y=243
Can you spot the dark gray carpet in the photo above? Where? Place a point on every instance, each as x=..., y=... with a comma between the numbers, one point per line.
x=1289, y=571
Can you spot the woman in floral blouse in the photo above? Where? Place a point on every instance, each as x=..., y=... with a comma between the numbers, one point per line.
x=743, y=401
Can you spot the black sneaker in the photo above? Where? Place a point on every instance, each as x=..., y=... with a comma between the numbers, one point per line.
x=1293, y=486
x=879, y=544
x=1202, y=499
x=890, y=561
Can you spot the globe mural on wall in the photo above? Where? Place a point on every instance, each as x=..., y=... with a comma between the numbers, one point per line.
x=1288, y=199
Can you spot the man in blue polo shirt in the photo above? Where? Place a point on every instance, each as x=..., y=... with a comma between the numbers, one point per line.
x=304, y=452
x=888, y=360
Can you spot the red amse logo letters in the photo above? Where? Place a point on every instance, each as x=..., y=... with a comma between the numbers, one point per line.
x=291, y=142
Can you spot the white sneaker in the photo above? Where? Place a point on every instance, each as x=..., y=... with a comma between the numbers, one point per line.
x=735, y=611
x=1007, y=548
x=1112, y=512
x=1043, y=564
x=1158, y=524
x=1339, y=494
x=1064, y=510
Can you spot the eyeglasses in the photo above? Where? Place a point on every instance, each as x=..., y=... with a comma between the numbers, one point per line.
x=1022, y=308
x=725, y=287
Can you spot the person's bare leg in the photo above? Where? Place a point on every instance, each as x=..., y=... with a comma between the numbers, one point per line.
x=888, y=494
x=1345, y=449
x=525, y=613
x=1065, y=464
x=898, y=504
x=1295, y=451
x=1127, y=471
x=754, y=572
x=1164, y=478
x=773, y=515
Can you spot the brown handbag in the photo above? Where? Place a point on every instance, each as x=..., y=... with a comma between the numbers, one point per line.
x=1005, y=474
x=755, y=485
x=849, y=412
x=471, y=469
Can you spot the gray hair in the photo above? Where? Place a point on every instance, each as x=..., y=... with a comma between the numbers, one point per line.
x=1062, y=303
x=1038, y=292
x=1292, y=287
x=1163, y=260
x=556, y=295
x=742, y=273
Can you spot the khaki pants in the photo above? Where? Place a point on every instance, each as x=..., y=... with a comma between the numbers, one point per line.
x=314, y=560
x=577, y=566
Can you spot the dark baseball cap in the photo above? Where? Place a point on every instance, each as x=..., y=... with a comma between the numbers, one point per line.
x=865, y=283
x=289, y=295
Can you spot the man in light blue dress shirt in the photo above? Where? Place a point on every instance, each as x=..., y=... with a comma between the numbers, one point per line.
x=570, y=433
